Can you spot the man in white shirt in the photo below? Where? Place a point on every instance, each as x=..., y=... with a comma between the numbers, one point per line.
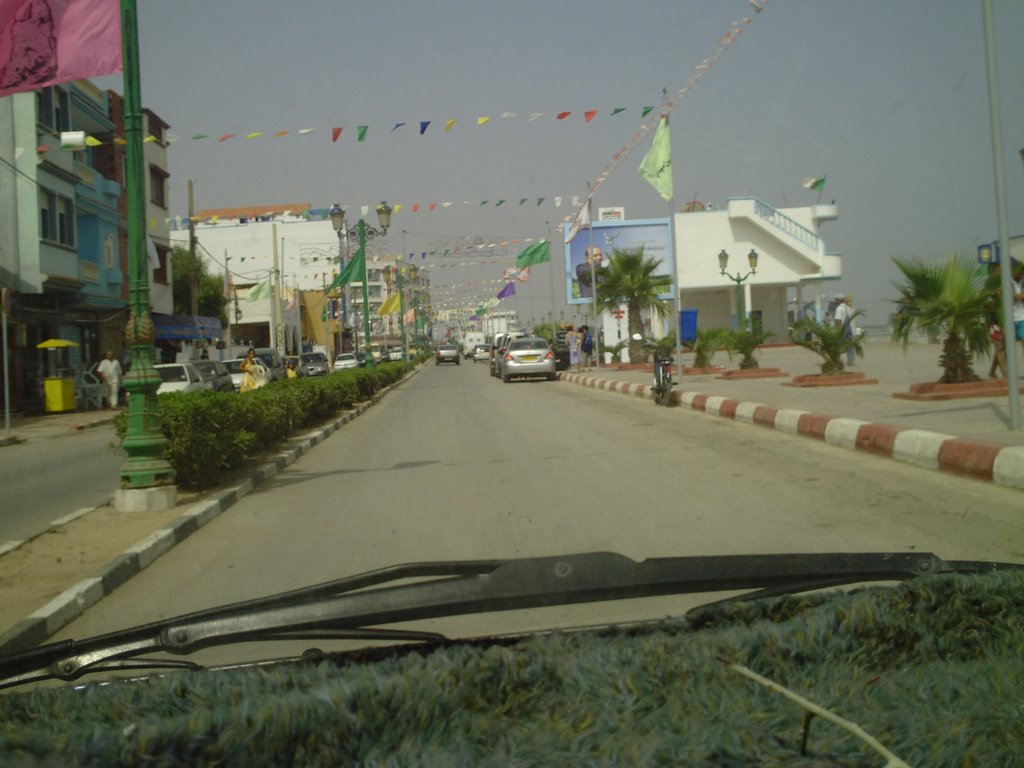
x=843, y=313
x=109, y=371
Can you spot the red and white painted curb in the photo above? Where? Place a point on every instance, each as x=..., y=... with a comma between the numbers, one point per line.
x=980, y=459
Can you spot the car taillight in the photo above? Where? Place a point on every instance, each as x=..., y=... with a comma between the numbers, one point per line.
x=509, y=356
x=550, y=355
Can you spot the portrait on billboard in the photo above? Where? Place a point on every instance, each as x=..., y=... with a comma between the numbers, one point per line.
x=587, y=256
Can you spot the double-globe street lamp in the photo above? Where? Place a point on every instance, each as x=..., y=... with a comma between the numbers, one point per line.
x=723, y=261
x=363, y=233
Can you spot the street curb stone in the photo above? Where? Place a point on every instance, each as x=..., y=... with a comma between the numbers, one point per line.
x=74, y=601
x=979, y=459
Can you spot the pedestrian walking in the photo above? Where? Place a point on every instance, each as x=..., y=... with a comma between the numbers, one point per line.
x=844, y=319
x=587, y=347
x=109, y=371
x=999, y=351
x=1018, y=302
x=574, y=341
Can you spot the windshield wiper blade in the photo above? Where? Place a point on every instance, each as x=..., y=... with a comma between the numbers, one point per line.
x=361, y=603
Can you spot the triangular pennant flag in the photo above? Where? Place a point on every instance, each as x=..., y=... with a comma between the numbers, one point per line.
x=197, y=136
x=449, y=123
x=540, y=200
x=589, y=115
x=362, y=131
x=508, y=290
x=397, y=126
x=304, y=131
x=423, y=126
x=562, y=115
x=522, y=200
x=92, y=142
x=279, y=134
x=335, y=133
x=646, y=111
x=226, y=137
x=254, y=135
x=482, y=120
x=617, y=110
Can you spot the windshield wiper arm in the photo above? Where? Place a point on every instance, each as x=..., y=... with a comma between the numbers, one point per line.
x=355, y=606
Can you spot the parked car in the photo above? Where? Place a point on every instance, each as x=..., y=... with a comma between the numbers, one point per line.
x=447, y=353
x=312, y=364
x=395, y=354
x=528, y=357
x=481, y=353
x=216, y=374
x=235, y=371
x=180, y=377
x=346, y=360
x=501, y=341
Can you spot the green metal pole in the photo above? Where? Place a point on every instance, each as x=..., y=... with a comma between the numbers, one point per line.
x=401, y=316
x=366, y=296
x=144, y=441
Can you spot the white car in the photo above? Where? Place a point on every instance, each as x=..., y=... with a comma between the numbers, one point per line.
x=346, y=360
x=180, y=377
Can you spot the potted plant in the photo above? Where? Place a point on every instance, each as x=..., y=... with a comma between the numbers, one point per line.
x=952, y=296
x=705, y=345
x=828, y=341
x=745, y=342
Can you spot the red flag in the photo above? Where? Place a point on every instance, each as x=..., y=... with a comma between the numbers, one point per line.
x=44, y=43
x=335, y=133
x=562, y=115
x=589, y=114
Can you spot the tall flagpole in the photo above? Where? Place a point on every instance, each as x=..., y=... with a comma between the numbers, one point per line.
x=593, y=279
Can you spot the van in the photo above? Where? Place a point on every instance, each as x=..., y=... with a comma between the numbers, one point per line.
x=470, y=341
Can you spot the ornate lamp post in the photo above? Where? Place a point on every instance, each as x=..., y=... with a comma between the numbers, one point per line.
x=144, y=443
x=723, y=260
x=364, y=233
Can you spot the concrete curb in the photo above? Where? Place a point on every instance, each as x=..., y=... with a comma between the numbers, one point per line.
x=73, y=602
x=982, y=460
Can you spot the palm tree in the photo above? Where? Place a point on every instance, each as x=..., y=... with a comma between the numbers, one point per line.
x=950, y=296
x=745, y=342
x=630, y=278
x=828, y=340
x=706, y=344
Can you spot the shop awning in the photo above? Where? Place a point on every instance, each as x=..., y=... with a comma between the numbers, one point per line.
x=185, y=327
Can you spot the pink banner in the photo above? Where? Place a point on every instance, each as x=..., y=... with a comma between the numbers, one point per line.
x=44, y=42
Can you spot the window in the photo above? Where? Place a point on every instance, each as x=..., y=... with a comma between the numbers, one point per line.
x=110, y=252
x=53, y=109
x=160, y=272
x=56, y=217
x=158, y=186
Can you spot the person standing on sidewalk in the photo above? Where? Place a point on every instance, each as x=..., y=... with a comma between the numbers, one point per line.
x=1018, y=302
x=844, y=317
x=574, y=341
x=587, y=347
x=109, y=371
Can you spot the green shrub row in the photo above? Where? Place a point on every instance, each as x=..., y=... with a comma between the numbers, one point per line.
x=211, y=432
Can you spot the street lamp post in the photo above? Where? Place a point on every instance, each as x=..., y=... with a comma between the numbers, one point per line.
x=364, y=233
x=723, y=260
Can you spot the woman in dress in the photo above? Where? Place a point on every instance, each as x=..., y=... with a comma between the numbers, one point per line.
x=574, y=341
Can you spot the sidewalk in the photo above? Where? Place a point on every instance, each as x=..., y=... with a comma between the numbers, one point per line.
x=969, y=436
x=51, y=425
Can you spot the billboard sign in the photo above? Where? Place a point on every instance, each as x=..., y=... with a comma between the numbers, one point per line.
x=597, y=243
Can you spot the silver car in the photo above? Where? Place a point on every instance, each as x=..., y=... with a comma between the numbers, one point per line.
x=526, y=357
x=180, y=377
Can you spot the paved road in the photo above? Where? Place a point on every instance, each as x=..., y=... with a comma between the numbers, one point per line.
x=44, y=480
x=455, y=464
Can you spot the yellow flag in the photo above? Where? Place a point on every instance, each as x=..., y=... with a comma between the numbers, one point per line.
x=391, y=304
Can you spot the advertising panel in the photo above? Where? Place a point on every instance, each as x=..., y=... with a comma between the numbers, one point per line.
x=610, y=236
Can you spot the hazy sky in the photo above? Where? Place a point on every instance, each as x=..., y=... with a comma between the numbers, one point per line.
x=886, y=97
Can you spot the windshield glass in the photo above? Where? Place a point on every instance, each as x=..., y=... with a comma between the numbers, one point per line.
x=674, y=279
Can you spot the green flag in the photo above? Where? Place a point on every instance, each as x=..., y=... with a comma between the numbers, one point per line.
x=352, y=270
x=537, y=253
x=260, y=291
x=657, y=164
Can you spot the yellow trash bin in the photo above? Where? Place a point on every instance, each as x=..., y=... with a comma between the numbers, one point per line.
x=59, y=395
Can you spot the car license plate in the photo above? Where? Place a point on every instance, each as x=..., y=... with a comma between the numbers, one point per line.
x=529, y=358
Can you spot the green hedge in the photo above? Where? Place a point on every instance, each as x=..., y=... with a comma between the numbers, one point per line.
x=210, y=432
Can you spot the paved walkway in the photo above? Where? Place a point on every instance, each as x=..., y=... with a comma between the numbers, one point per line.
x=966, y=436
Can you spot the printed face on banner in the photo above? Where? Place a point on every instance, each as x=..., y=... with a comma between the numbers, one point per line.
x=608, y=237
